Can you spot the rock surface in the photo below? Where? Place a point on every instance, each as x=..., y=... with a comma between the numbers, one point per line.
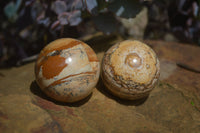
x=173, y=106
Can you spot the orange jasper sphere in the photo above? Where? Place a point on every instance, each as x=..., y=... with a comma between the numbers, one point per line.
x=67, y=70
x=130, y=70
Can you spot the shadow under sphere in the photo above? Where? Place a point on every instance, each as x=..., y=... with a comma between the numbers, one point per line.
x=35, y=89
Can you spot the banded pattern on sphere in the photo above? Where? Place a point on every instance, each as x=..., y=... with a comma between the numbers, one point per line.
x=67, y=70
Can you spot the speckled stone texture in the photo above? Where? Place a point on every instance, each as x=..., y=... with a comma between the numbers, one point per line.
x=67, y=70
x=130, y=69
x=172, y=107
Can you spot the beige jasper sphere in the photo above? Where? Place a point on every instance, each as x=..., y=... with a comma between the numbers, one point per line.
x=130, y=70
x=67, y=70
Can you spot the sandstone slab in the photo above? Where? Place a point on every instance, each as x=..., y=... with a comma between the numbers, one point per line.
x=173, y=106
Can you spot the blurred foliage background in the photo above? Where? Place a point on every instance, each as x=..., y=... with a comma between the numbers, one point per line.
x=26, y=26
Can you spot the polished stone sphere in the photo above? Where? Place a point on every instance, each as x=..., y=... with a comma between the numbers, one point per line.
x=130, y=70
x=67, y=70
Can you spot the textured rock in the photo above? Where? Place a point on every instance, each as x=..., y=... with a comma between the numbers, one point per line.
x=20, y=114
x=173, y=106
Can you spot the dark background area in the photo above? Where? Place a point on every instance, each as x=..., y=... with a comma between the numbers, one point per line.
x=27, y=26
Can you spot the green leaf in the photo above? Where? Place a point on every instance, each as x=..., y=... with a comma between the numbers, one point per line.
x=10, y=10
x=102, y=4
x=192, y=103
x=125, y=8
x=17, y=5
x=106, y=22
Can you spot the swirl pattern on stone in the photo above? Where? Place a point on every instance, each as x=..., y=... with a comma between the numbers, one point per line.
x=67, y=70
x=130, y=70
